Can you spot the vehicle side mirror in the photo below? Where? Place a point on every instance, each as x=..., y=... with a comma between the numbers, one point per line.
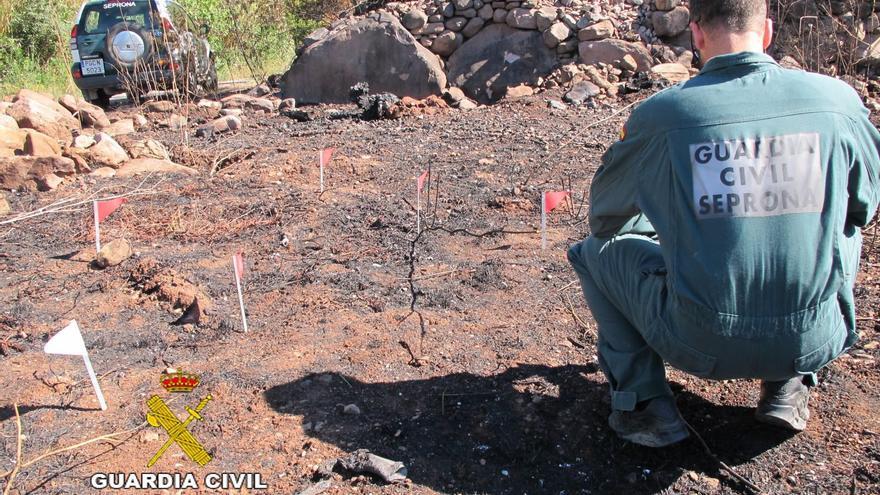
x=205, y=29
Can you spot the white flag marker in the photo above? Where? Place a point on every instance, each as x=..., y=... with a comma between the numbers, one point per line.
x=69, y=342
x=238, y=270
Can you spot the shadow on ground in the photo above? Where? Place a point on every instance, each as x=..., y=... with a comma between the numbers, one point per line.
x=531, y=429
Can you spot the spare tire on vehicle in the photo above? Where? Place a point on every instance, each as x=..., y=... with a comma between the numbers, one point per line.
x=129, y=44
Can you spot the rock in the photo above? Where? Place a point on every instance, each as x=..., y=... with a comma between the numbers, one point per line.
x=138, y=121
x=628, y=63
x=454, y=95
x=456, y=24
x=522, y=19
x=674, y=72
x=248, y=102
x=666, y=4
x=237, y=112
x=149, y=436
x=467, y=104
x=545, y=17
x=148, y=148
x=174, y=122
x=79, y=161
x=113, y=253
x=612, y=51
x=500, y=16
x=598, y=31
x=435, y=27
x=106, y=152
x=210, y=104
x=351, y=410
x=8, y=122
x=160, y=106
x=447, y=43
x=260, y=90
x=486, y=12
x=122, y=127
x=42, y=113
x=5, y=209
x=12, y=139
x=499, y=57
x=581, y=92
x=463, y=4
x=414, y=19
x=104, y=172
x=376, y=50
x=25, y=171
x=83, y=141
x=89, y=115
x=219, y=126
x=286, y=105
x=151, y=165
x=38, y=144
x=313, y=37
x=473, y=27
x=519, y=91
x=671, y=23
x=49, y=182
x=566, y=47
x=556, y=105
x=557, y=33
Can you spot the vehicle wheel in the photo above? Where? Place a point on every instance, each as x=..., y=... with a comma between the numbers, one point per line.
x=129, y=44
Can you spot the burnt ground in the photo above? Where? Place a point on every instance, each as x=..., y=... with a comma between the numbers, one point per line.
x=490, y=387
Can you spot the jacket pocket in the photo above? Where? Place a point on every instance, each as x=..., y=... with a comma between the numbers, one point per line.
x=679, y=355
x=815, y=360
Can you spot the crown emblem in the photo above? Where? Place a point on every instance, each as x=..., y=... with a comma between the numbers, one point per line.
x=179, y=381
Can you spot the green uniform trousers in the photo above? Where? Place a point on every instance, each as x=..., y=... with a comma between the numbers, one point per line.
x=641, y=325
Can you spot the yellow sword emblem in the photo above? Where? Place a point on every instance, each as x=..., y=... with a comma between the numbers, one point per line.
x=161, y=416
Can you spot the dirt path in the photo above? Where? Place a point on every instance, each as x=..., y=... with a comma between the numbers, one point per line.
x=468, y=351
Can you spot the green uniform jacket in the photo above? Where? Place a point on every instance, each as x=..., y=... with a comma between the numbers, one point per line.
x=756, y=180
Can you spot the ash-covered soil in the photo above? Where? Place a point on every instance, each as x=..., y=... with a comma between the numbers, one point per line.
x=468, y=350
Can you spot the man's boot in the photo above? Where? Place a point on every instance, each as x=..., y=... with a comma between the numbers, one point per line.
x=784, y=404
x=657, y=424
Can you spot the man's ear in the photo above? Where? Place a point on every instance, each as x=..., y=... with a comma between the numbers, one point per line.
x=768, y=33
x=699, y=36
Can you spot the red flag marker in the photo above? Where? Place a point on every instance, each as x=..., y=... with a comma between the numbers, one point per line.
x=238, y=271
x=103, y=209
x=420, y=185
x=324, y=158
x=550, y=200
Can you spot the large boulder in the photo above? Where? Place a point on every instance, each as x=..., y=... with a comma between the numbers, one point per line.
x=42, y=113
x=497, y=58
x=377, y=50
x=612, y=52
x=32, y=171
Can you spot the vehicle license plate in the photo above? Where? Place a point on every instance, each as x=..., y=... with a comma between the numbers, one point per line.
x=92, y=67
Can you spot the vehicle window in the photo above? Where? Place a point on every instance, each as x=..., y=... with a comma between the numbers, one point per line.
x=99, y=18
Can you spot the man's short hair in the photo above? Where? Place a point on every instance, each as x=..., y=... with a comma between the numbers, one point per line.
x=736, y=16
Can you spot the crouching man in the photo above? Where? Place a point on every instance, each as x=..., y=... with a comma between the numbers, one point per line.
x=726, y=230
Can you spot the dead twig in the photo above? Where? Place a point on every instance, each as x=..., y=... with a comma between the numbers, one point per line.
x=751, y=486
x=18, y=465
